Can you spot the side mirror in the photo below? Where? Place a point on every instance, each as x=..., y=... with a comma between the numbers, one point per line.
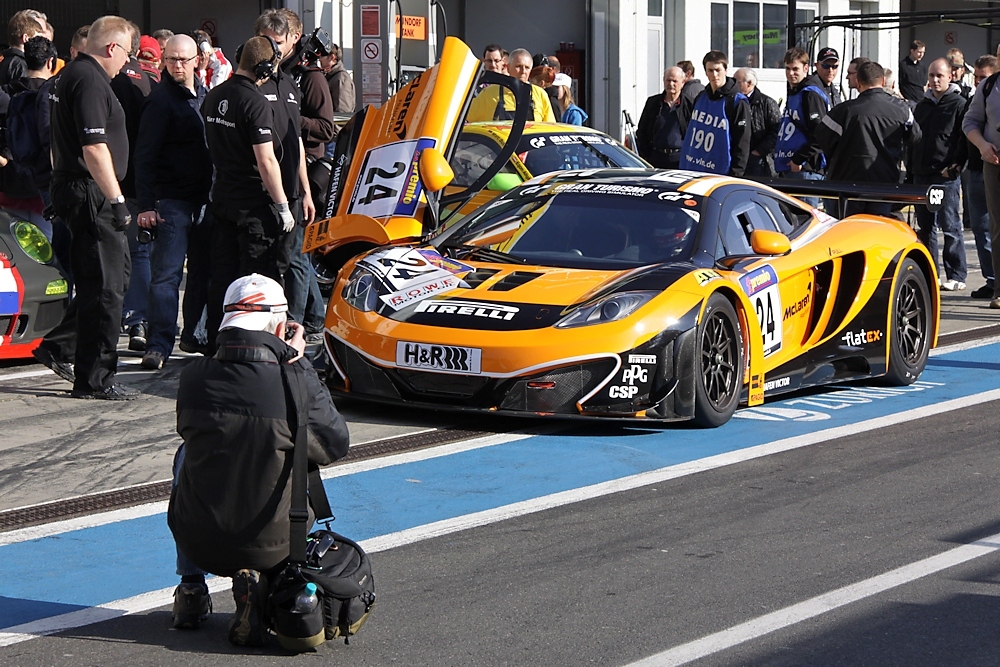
x=765, y=242
x=503, y=182
x=435, y=171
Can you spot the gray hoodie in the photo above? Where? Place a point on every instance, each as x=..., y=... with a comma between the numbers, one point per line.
x=984, y=114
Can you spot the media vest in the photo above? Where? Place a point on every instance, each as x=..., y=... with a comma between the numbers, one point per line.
x=707, y=143
x=792, y=135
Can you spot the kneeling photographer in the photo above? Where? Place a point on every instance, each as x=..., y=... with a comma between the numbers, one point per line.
x=229, y=509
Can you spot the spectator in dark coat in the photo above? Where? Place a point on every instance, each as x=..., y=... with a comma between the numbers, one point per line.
x=765, y=119
x=692, y=86
x=661, y=131
x=22, y=27
x=827, y=68
x=913, y=73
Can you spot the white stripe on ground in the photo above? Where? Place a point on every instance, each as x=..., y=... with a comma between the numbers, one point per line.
x=163, y=597
x=821, y=604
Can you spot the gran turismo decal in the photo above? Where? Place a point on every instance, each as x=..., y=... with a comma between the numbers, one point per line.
x=863, y=337
x=603, y=189
x=468, y=308
x=447, y=358
x=673, y=196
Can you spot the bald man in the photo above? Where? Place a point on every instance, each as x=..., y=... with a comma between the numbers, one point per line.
x=938, y=158
x=173, y=177
x=661, y=131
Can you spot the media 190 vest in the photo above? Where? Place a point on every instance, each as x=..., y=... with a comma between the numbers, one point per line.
x=791, y=134
x=707, y=141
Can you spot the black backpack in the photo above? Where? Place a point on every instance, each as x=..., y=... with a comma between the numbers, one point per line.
x=22, y=131
x=338, y=567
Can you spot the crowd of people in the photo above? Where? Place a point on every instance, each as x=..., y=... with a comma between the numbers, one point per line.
x=136, y=128
x=940, y=127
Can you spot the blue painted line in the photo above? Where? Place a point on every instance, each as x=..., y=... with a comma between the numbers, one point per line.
x=98, y=565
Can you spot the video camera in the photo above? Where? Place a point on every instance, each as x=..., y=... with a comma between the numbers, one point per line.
x=312, y=48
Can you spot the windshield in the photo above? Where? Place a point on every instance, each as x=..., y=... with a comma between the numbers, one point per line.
x=616, y=227
x=559, y=152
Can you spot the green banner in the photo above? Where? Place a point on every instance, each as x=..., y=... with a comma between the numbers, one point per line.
x=745, y=38
x=775, y=36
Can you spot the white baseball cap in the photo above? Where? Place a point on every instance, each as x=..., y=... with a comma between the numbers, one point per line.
x=250, y=301
x=562, y=80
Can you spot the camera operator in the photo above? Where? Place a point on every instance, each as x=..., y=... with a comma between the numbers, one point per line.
x=317, y=103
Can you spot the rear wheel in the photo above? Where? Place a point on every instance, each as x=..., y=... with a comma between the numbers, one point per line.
x=719, y=367
x=910, y=325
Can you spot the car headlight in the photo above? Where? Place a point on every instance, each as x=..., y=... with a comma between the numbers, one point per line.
x=32, y=241
x=608, y=309
x=362, y=290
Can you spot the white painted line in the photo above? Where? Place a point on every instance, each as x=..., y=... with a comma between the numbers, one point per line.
x=130, y=361
x=821, y=604
x=968, y=345
x=79, y=523
x=163, y=597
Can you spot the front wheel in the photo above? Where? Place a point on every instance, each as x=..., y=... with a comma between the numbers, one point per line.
x=910, y=322
x=719, y=366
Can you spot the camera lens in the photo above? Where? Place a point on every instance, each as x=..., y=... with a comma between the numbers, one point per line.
x=146, y=235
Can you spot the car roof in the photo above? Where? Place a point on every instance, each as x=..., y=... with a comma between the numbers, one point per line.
x=502, y=128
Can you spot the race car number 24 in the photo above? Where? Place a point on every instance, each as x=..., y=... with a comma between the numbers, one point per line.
x=761, y=286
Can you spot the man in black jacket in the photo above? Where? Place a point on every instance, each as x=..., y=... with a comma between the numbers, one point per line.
x=827, y=68
x=765, y=119
x=232, y=484
x=913, y=73
x=173, y=176
x=863, y=138
x=938, y=158
x=22, y=27
x=661, y=130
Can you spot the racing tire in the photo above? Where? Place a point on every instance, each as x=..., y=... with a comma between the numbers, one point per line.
x=910, y=326
x=719, y=364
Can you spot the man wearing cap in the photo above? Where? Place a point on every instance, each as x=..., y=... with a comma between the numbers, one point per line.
x=827, y=68
x=149, y=57
x=232, y=485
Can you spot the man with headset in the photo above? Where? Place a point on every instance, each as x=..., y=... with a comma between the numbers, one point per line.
x=251, y=209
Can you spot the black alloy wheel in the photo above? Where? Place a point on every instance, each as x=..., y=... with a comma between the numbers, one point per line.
x=719, y=368
x=911, y=325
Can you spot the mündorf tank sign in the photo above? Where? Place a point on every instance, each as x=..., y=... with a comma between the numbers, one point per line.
x=414, y=27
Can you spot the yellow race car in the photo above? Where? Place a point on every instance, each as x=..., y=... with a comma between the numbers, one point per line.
x=633, y=294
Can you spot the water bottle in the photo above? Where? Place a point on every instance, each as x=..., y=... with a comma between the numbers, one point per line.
x=306, y=601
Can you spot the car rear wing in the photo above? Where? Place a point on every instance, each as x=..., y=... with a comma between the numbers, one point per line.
x=930, y=196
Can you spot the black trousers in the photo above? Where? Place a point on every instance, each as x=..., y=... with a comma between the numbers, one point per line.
x=244, y=241
x=88, y=333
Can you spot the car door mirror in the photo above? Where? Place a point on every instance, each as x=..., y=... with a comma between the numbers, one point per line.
x=766, y=242
x=503, y=182
x=435, y=171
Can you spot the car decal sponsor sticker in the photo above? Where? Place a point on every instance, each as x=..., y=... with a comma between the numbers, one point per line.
x=439, y=357
x=705, y=276
x=9, y=301
x=771, y=385
x=603, y=189
x=647, y=359
x=419, y=291
x=862, y=337
x=761, y=286
x=494, y=311
x=389, y=183
x=435, y=258
x=797, y=307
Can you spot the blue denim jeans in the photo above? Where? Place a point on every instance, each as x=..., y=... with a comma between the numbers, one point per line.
x=805, y=176
x=134, y=305
x=950, y=221
x=305, y=302
x=979, y=221
x=167, y=269
x=185, y=567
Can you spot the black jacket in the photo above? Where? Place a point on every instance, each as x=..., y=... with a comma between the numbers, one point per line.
x=229, y=509
x=864, y=138
x=13, y=67
x=645, y=133
x=943, y=143
x=690, y=91
x=131, y=86
x=765, y=119
x=171, y=154
x=911, y=79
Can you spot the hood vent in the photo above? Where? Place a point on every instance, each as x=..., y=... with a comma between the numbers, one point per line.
x=512, y=280
x=479, y=276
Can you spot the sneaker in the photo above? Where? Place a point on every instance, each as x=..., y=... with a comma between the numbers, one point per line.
x=314, y=338
x=61, y=368
x=152, y=360
x=137, y=337
x=116, y=392
x=192, y=605
x=952, y=285
x=192, y=346
x=984, y=292
x=995, y=302
x=246, y=628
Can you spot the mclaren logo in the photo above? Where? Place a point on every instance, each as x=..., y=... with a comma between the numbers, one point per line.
x=399, y=127
x=493, y=311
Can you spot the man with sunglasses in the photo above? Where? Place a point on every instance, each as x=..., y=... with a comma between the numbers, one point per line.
x=173, y=177
x=827, y=69
x=89, y=158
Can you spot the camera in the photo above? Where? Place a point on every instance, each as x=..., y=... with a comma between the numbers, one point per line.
x=145, y=235
x=311, y=49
